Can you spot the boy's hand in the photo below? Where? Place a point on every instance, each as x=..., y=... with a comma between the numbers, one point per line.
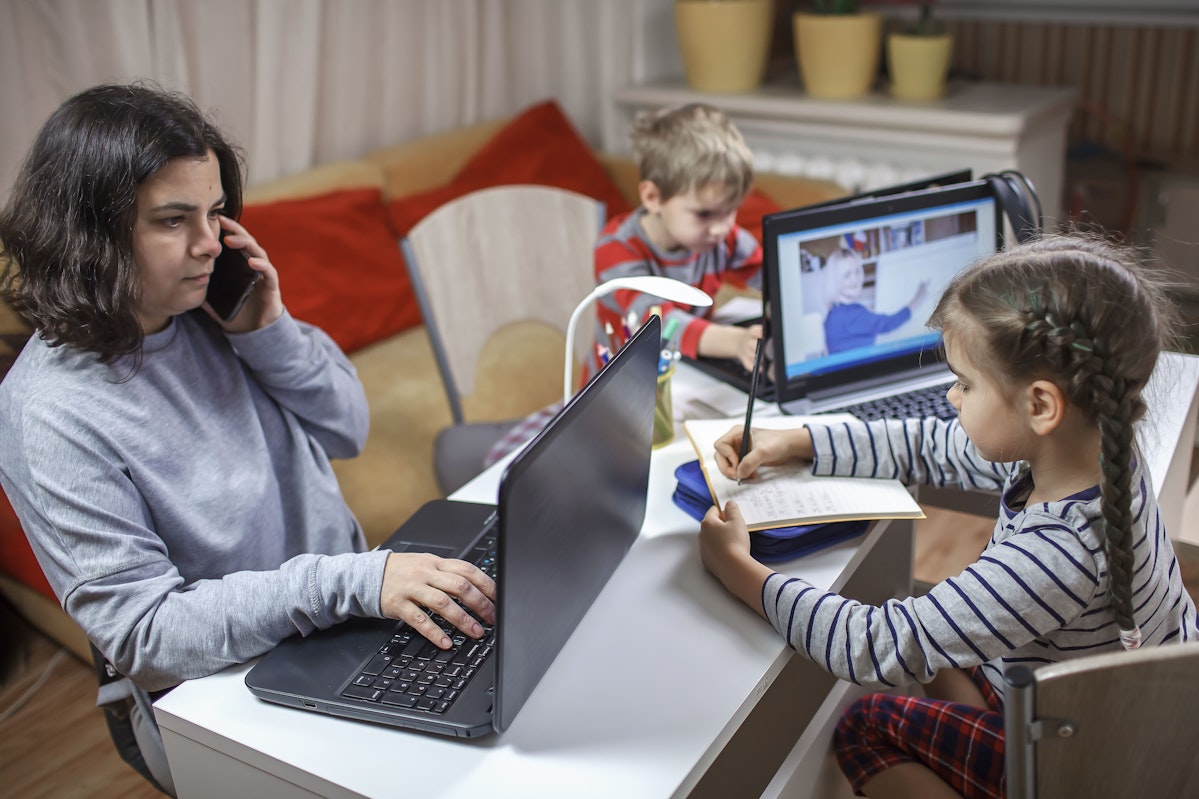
x=770, y=448
x=730, y=341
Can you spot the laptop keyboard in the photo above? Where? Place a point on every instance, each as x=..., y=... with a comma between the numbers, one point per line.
x=410, y=672
x=929, y=401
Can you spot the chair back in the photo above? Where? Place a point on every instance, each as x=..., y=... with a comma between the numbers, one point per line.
x=495, y=257
x=1113, y=725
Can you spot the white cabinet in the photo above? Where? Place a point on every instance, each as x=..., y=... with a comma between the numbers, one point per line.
x=878, y=140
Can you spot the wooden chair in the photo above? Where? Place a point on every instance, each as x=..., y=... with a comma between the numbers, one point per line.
x=1114, y=725
x=484, y=261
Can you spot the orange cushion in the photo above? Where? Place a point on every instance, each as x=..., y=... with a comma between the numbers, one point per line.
x=16, y=558
x=339, y=264
x=537, y=146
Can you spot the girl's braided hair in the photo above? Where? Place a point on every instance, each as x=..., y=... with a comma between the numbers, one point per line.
x=1089, y=316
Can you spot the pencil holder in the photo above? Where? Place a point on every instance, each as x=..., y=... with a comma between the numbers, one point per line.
x=664, y=410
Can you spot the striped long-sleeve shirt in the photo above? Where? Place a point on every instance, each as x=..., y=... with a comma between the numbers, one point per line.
x=624, y=250
x=1037, y=594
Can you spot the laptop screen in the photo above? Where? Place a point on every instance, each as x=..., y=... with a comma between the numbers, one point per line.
x=850, y=286
x=571, y=505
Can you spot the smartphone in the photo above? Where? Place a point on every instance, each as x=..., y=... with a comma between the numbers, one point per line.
x=231, y=282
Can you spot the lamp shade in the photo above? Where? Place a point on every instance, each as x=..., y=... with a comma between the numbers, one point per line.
x=667, y=288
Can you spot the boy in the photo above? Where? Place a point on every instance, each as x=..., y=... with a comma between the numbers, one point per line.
x=695, y=172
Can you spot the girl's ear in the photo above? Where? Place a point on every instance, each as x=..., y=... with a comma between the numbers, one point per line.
x=1046, y=406
x=650, y=194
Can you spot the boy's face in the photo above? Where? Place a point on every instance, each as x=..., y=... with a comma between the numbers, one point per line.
x=696, y=220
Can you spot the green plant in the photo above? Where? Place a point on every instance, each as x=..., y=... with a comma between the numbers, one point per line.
x=925, y=25
x=835, y=6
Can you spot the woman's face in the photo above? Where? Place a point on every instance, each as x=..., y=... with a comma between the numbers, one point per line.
x=176, y=237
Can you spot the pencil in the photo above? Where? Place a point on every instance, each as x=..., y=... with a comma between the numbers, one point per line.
x=749, y=408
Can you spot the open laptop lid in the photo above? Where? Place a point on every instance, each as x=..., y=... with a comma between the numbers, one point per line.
x=730, y=370
x=903, y=240
x=920, y=184
x=571, y=504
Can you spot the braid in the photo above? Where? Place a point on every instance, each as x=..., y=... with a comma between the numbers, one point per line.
x=1091, y=317
x=1069, y=349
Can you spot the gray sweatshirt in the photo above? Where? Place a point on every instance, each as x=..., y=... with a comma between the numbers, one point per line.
x=188, y=517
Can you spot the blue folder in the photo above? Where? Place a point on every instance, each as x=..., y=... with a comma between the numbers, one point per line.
x=767, y=546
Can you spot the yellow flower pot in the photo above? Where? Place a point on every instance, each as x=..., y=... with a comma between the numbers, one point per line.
x=838, y=54
x=724, y=43
x=918, y=65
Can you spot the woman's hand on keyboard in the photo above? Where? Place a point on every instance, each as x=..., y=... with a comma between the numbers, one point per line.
x=767, y=448
x=417, y=583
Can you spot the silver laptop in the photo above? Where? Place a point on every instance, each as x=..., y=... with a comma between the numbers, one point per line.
x=853, y=338
x=570, y=505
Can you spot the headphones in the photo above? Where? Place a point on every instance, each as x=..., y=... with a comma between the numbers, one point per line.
x=1019, y=201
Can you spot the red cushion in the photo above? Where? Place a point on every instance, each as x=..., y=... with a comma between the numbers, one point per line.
x=538, y=146
x=16, y=558
x=756, y=206
x=339, y=264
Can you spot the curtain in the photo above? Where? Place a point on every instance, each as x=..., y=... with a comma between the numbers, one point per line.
x=303, y=82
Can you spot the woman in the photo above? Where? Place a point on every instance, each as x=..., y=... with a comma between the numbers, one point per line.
x=171, y=470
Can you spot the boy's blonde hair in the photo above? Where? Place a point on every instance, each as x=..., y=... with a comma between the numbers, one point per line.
x=689, y=147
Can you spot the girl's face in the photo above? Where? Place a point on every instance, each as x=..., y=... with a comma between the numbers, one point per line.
x=176, y=237
x=695, y=221
x=994, y=419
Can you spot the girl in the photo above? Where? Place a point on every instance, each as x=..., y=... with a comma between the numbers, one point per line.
x=1052, y=343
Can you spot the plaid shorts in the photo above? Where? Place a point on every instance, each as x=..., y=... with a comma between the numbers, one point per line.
x=961, y=744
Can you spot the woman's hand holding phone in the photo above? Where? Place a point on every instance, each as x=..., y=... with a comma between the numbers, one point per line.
x=243, y=291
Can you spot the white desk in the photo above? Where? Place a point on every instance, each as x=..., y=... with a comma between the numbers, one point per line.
x=585, y=731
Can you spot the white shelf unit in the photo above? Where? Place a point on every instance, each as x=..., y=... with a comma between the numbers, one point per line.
x=878, y=140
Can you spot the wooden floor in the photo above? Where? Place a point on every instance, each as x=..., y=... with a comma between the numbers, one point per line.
x=56, y=745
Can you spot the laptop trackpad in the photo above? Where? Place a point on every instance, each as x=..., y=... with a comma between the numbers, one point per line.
x=444, y=527
x=445, y=552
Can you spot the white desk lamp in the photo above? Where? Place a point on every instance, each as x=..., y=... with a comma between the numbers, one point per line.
x=667, y=288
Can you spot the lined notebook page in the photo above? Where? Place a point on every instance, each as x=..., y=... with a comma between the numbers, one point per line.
x=783, y=496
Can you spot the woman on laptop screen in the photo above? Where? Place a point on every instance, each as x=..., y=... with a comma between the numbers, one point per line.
x=1051, y=343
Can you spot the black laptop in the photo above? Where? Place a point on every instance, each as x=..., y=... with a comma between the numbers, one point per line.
x=903, y=240
x=885, y=361
x=570, y=505
x=730, y=370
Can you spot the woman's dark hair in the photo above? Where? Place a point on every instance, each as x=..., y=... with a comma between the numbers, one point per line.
x=1091, y=317
x=67, y=230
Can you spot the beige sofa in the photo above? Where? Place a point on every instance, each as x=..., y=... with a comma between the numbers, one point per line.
x=394, y=476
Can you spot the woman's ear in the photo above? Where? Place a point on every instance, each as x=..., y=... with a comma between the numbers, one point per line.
x=1046, y=406
x=650, y=194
